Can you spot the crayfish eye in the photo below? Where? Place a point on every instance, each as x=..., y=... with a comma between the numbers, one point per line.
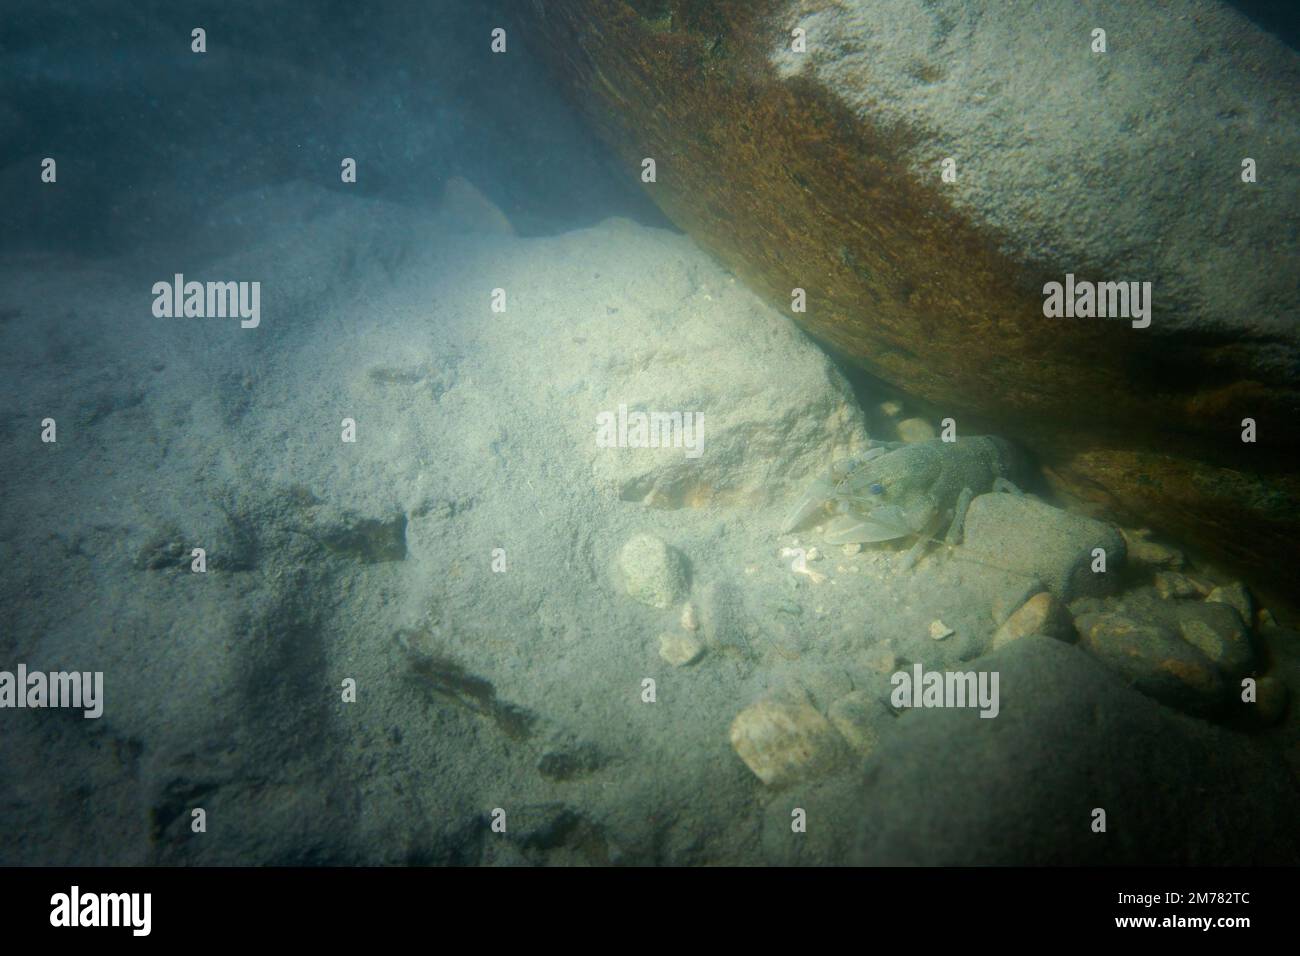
x=877, y=489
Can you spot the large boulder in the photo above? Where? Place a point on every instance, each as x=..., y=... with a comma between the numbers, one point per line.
x=1070, y=739
x=823, y=170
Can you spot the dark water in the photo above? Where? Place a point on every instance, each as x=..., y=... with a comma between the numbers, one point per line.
x=1276, y=16
x=285, y=88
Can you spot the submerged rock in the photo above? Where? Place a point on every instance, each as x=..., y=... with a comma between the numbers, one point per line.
x=679, y=648
x=1218, y=632
x=654, y=572
x=1237, y=596
x=685, y=418
x=1041, y=614
x=784, y=739
x=1271, y=698
x=1156, y=660
x=925, y=245
x=1056, y=547
x=1166, y=645
x=1142, y=550
x=1070, y=737
x=855, y=716
x=914, y=430
x=1171, y=584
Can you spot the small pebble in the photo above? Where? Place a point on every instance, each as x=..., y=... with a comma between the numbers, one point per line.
x=1041, y=614
x=940, y=630
x=654, y=572
x=1237, y=596
x=1141, y=550
x=915, y=429
x=851, y=549
x=1171, y=584
x=690, y=620
x=1010, y=601
x=785, y=740
x=679, y=649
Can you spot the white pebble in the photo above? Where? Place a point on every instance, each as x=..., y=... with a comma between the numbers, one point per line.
x=690, y=621
x=940, y=630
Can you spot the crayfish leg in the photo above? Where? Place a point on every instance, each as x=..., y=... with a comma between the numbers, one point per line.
x=814, y=500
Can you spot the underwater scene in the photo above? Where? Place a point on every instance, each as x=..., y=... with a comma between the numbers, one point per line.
x=649, y=433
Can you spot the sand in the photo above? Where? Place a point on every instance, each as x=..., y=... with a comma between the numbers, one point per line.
x=476, y=431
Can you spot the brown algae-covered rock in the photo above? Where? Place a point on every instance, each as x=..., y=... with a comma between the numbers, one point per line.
x=870, y=167
x=1157, y=661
